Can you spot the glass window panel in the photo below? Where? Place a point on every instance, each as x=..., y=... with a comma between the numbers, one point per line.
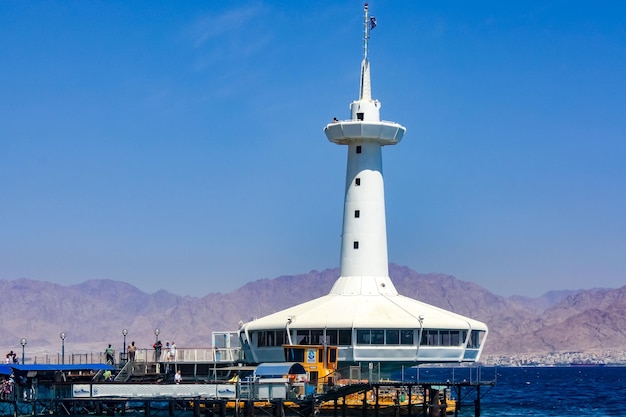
x=262, y=339
x=316, y=337
x=281, y=336
x=392, y=337
x=332, y=355
x=475, y=339
x=363, y=337
x=378, y=337
x=302, y=337
x=455, y=338
x=445, y=337
x=295, y=355
x=431, y=337
x=406, y=337
x=345, y=337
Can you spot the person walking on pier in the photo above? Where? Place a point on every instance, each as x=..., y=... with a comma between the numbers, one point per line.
x=110, y=355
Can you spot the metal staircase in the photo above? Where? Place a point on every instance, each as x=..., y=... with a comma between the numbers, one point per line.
x=125, y=373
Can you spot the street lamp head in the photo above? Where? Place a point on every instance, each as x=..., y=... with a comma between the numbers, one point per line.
x=157, y=331
x=124, y=332
x=62, y=335
x=23, y=341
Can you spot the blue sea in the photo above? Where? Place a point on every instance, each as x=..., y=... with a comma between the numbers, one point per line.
x=568, y=391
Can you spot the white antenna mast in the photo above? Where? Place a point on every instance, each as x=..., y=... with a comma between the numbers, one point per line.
x=365, y=92
x=366, y=30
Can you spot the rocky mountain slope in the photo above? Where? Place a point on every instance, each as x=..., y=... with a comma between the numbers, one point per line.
x=93, y=313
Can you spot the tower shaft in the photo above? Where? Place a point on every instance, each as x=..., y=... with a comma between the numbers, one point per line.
x=364, y=236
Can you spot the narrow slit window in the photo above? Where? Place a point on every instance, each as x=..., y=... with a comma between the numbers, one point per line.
x=357, y=181
x=357, y=214
x=355, y=244
x=358, y=149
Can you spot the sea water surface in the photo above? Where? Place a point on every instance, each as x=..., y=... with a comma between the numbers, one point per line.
x=565, y=391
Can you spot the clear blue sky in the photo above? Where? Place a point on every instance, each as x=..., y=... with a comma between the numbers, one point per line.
x=179, y=145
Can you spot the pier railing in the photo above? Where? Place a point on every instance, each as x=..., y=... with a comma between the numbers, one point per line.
x=181, y=355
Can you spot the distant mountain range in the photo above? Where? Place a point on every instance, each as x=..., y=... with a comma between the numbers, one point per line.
x=93, y=313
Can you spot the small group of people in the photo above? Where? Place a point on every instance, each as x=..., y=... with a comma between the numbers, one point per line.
x=11, y=358
x=6, y=388
x=109, y=353
x=170, y=356
x=170, y=351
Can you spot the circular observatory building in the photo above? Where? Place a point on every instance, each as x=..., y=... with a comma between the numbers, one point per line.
x=363, y=315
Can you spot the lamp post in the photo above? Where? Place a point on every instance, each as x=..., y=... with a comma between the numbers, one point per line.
x=157, y=351
x=23, y=343
x=62, y=336
x=124, y=332
x=419, y=342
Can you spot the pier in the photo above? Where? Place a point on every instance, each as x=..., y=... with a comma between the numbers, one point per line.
x=419, y=392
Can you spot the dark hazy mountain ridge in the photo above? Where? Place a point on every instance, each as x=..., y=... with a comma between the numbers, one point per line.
x=95, y=312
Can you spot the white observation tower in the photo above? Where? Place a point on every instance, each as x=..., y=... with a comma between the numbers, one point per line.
x=363, y=314
x=364, y=264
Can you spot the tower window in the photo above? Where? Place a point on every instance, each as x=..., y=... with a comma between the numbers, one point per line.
x=358, y=149
x=359, y=116
x=357, y=181
x=355, y=244
x=357, y=213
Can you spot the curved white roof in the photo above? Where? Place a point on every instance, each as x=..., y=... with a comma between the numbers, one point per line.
x=384, y=311
x=357, y=312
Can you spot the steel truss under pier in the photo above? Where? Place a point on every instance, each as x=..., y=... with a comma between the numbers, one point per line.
x=382, y=399
x=408, y=399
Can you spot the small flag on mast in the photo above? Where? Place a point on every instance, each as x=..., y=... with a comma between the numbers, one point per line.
x=372, y=22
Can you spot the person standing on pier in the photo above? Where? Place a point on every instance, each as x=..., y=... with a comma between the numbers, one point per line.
x=157, y=350
x=131, y=351
x=178, y=377
x=172, y=351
